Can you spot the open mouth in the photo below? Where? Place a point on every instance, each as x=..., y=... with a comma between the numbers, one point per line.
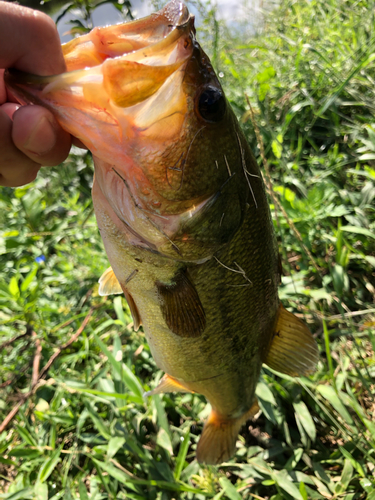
x=119, y=77
x=141, y=39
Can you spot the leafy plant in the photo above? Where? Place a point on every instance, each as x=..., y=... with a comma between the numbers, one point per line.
x=83, y=429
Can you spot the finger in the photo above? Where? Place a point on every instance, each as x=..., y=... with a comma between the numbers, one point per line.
x=16, y=169
x=10, y=108
x=29, y=41
x=3, y=92
x=38, y=135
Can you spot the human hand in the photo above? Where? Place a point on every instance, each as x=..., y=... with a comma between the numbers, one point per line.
x=29, y=135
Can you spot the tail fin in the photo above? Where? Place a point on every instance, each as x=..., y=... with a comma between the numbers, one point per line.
x=218, y=441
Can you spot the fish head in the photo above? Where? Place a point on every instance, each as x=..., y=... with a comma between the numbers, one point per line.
x=169, y=157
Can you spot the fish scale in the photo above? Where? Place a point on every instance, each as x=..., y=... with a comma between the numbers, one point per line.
x=182, y=211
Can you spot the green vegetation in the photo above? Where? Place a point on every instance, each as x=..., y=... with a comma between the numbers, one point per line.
x=86, y=432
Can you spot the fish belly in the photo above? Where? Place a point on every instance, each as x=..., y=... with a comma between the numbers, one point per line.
x=238, y=290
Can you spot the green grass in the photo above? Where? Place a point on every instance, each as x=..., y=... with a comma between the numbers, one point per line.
x=86, y=432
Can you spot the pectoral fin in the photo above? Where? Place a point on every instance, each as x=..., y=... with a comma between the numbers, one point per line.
x=181, y=306
x=133, y=309
x=293, y=350
x=167, y=384
x=109, y=284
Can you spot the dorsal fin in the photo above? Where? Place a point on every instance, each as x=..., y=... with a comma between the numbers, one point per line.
x=108, y=283
x=293, y=350
x=181, y=306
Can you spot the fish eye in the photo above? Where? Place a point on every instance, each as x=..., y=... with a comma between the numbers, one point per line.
x=212, y=104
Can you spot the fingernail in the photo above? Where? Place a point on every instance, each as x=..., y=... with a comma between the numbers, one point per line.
x=42, y=139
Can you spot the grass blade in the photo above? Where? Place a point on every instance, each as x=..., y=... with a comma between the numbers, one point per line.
x=182, y=452
x=305, y=419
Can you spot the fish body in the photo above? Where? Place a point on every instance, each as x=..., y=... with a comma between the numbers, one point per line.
x=182, y=211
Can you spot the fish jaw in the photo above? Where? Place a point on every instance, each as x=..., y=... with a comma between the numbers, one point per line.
x=105, y=105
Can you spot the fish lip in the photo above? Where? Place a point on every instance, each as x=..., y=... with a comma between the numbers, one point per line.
x=178, y=31
x=15, y=76
x=177, y=13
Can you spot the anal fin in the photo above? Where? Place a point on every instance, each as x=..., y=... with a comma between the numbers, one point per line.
x=167, y=384
x=218, y=441
x=293, y=350
x=109, y=284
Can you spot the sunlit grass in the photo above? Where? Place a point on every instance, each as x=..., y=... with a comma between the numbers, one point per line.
x=86, y=432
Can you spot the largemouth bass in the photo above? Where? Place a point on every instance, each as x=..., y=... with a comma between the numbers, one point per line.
x=182, y=211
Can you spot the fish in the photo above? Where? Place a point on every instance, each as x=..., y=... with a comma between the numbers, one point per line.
x=183, y=213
